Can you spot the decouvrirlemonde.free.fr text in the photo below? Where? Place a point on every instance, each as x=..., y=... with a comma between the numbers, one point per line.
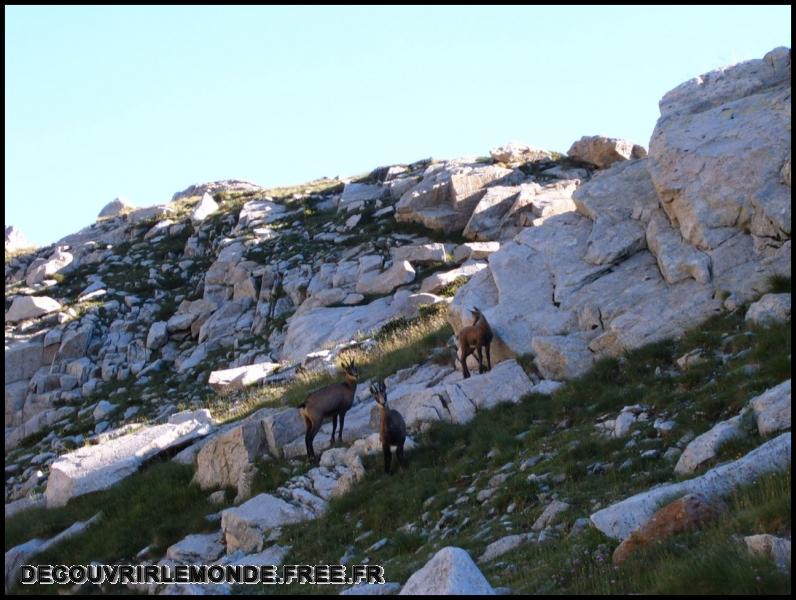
x=199, y=574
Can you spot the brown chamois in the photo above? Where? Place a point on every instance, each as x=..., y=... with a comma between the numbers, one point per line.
x=393, y=428
x=472, y=339
x=330, y=401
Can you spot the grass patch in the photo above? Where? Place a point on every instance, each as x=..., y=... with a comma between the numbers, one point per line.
x=156, y=507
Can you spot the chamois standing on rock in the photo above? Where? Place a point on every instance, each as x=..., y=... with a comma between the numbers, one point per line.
x=330, y=401
x=472, y=339
x=393, y=428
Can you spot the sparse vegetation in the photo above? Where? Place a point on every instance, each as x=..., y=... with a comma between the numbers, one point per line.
x=452, y=460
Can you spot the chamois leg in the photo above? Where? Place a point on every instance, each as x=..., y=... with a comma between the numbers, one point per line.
x=465, y=353
x=387, y=457
x=488, y=357
x=399, y=451
x=312, y=431
x=340, y=435
x=334, y=427
x=480, y=358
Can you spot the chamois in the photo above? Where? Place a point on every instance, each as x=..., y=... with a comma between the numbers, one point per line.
x=393, y=428
x=472, y=339
x=330, y=401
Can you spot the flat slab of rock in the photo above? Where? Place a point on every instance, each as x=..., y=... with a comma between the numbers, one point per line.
x=706, y=446
x=450, y=571
x=94, y=468
x=30, y=307
x=238, y=378
x=422, y=254
x=621, y=519
x=197, y=548
x=503, y=545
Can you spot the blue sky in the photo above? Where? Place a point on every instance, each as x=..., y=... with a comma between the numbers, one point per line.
x=142, y=102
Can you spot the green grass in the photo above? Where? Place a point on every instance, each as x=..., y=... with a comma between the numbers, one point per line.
x=160, y=506
x=156, y=507
x=452, y=458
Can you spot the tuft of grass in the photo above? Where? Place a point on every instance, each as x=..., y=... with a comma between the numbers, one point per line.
x=779, y=284
x=155, y=507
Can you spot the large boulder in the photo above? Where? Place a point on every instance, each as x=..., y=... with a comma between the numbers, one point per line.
x=245, y=526
x=435, y=283
x=196, y=548
x=114, y=208
x=450, y=571
x=16, y=240
x=38, y=270
x=446, y=196
x=420, y=254
x=373, y=282
x=719, y=147
x=772, y=409
x=603, y=151
x=706, y=447
x=692, y=511
x=487, y=217
x=22, y=360
x=228, y=380
x=206, y=207
x=98, y=467
x=259, y=212
x=356, y=195
x=771, y=308
x=30, y=307
x=623, y=518
x=223, y=460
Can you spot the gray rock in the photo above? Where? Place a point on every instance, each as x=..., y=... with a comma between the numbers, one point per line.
x=603, y=151
x=98, y=467
x=621, y=519
x=770, y=309
x=450, y=571
x=114, y=208
x=705, y=447
x=551, y=515
x=196, y=549
x=206, y=207
x=769, y=546
x=503, y=545
x=772, y=409
x=30, y=307
x=157, y=336
x=245, y=526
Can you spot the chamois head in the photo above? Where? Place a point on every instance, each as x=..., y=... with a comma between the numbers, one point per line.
x=351, y=371
x=476, y=314
x=379, y=391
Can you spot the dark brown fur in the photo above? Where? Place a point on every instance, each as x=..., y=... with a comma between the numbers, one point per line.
x=330, y=401
x=392, y=431
x=472, y=339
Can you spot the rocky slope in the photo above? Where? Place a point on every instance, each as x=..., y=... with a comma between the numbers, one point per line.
x=236, y=299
